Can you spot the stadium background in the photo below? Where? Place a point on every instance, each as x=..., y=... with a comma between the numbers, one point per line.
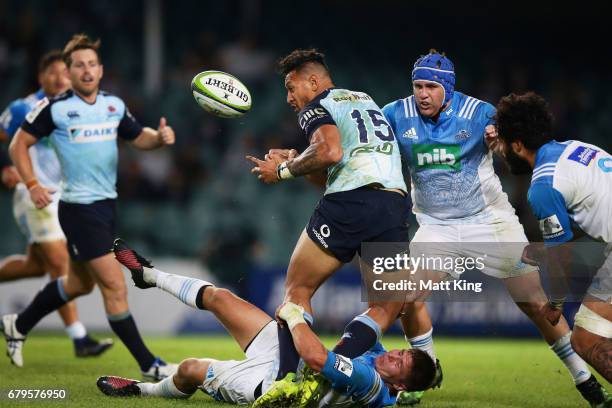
x=197, y=209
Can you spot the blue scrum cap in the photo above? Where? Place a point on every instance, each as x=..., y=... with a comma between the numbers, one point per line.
x=436, y=67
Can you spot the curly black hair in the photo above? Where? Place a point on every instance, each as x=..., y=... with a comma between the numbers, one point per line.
x=525, y=118
x=298, y=58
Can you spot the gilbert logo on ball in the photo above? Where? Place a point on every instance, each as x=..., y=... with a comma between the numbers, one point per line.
x=221, y=94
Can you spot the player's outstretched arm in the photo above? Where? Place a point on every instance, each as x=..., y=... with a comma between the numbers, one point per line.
x=325, y=150
x=150, y=138
x=307, y=343
x=18, y=150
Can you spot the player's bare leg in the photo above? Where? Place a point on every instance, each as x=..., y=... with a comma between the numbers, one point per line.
x=15, y=267
x=310, y=266
x=527, y=292
x=241, y=319
x=591, y=336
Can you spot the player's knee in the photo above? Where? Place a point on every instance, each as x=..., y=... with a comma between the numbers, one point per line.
x=75, y=289
x=219, y=299
x=189, y=371
x=531, y=309
x=385, y=314
x=413, y=308
x=57, y=264
x=114, y=290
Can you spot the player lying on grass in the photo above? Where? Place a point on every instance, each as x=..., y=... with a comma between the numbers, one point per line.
x=372, y=379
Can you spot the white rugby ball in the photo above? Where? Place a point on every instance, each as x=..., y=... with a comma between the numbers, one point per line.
x=221, y=94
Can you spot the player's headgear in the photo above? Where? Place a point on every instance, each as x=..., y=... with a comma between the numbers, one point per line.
x=436, y=67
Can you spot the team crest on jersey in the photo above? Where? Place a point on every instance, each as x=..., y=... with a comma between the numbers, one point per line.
x=462, y=135
x=551, y=227
x=40, y=105
x=344, y=365
x=583, y=155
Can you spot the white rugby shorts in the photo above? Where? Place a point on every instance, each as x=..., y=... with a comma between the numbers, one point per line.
x=501, y=242
x=235, y=381
x=38, y=225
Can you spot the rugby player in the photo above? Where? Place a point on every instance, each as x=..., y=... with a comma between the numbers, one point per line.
x=445, y=138
x=353, y=149
x=571, y=184
x=83, y=126
x=46, y=251
x=370, y=380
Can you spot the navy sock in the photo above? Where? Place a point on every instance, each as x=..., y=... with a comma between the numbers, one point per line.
x=200, y=297
x=359, y=336
x=49, y=299
x=289, y=357
x=125, y=328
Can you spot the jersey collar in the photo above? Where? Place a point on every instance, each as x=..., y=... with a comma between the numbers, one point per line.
x=444, y=115
x=539, y=158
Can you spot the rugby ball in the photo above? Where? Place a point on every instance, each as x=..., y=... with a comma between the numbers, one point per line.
x=221, y=94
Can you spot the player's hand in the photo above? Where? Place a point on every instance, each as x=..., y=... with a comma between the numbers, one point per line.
x=10, y=177
x=534, y=254
x=165, y=133
x=281, y=155
x=492, y=140
x=265, y=169
x=551, y=313
x=40, y=196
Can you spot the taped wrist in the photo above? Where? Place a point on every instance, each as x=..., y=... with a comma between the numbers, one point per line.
x=283, y=172
x=292, y=314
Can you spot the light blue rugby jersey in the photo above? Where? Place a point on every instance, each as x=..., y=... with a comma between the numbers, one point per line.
x=44, y=160
x=451, y=168
x=571, y=185
x=370, y=151
x=357, y=379
x=85, y=138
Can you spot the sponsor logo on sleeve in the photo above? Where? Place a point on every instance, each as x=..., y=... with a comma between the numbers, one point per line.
x=344, y=365
x=583, y=155
x=40, y=105
x=310, y=115
x=551, y=227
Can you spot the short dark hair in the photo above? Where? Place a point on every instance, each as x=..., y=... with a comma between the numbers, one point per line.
x=526, y=118
x=79, y=42
x=423, y=371
x=48, y=59
x=298, y=58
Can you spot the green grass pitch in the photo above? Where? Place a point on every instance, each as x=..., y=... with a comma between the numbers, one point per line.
x=477, y=373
